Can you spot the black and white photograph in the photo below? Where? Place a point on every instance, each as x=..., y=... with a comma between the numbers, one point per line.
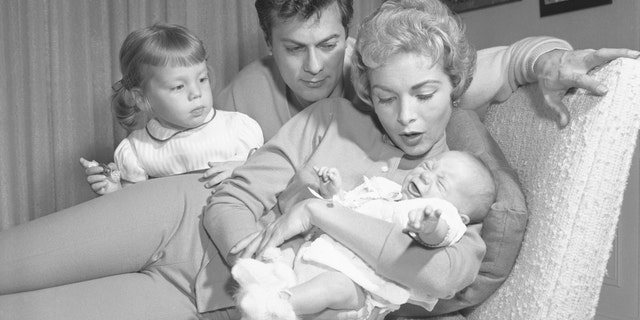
x=319, y=159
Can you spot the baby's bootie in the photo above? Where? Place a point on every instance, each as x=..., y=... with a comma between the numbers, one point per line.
x=260, y=303
x=263, y=294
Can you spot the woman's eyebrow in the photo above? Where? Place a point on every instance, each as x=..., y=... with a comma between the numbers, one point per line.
x=423, y=83
x=383, y=88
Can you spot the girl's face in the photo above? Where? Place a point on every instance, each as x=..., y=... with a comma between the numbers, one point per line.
x=412, y=99
x=310, y=54
x=179, y=97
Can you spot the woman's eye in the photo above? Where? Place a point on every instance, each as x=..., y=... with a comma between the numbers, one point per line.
x=178, y=87
x=385, y=100
x=424, y=97
x=205, y=79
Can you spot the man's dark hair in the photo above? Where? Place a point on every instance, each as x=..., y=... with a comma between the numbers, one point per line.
x=269, y=10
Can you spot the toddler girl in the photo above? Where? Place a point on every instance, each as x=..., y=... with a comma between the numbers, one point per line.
x=165, y=79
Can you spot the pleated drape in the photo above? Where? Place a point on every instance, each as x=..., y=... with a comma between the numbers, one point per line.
x=58, y=59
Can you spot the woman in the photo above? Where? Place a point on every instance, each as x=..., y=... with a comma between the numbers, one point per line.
x=144, y=253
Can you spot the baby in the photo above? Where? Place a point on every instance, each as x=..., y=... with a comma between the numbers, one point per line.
x=434, y=204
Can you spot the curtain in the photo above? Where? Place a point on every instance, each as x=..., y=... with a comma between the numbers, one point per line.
x=58, y=60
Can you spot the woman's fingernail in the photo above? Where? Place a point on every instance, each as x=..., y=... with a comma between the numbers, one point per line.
x=602, y=89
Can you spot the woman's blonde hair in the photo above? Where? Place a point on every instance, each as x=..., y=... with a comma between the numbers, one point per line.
x=424, y=27
x=158, y=45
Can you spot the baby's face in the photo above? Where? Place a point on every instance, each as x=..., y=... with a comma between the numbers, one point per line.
x=444, y=176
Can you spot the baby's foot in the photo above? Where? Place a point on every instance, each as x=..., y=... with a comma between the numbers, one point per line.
x=330, y=181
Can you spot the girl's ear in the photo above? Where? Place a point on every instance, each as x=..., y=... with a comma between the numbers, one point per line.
x=465, y=218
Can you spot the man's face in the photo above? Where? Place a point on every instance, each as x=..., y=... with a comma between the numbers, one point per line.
x=310, y=54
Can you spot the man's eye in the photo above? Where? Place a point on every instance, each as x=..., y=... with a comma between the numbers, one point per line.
x=204, y=79
x=178, y=87
x=328, y=46
x=295, y=49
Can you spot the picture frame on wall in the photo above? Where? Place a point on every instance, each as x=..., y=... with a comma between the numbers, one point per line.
x=550, y=7
x=458, y=6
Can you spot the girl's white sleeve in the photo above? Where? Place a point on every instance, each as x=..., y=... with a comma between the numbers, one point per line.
x=128, y=163
x=248, y=131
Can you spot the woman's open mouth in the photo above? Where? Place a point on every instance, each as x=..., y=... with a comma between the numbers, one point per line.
x=411, y=138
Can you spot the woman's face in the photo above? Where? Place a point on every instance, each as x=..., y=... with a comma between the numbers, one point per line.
x=412, y=99
x=310, y=53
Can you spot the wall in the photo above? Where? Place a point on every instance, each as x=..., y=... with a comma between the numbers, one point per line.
x=614, y=25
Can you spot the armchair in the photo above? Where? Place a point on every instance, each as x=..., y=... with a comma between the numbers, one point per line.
x=573, y=180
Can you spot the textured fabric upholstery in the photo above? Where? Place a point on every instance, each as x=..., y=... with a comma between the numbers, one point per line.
x=573, y=180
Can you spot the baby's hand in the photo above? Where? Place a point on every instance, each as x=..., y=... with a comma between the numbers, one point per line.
x=103, y=178
x=330, y=181
x=423, y=221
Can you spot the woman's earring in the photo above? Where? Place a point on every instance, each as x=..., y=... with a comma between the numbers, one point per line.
x=455, y=103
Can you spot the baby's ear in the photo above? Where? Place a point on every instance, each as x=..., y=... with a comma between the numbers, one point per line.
x=465, y=218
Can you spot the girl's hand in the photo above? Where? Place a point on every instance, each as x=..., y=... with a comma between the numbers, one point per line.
x=288, y=225
x=560, y=70
x=219, y=171
x=102, y=178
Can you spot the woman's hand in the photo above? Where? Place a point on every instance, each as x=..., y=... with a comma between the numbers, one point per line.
x=219, y=171
x=560, y=70
x=288, y=225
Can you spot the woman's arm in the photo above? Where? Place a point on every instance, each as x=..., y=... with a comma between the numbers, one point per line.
x=440, y=272
x=500, y=70
x=549, y=61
